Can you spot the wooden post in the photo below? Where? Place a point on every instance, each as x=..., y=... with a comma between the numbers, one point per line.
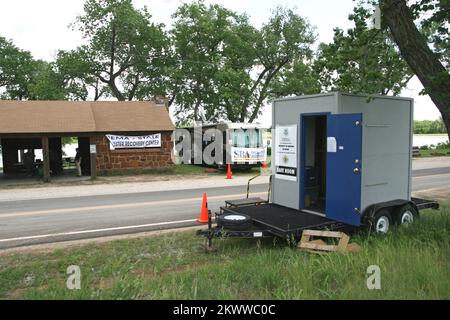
x=46, y=156
x=93, y=158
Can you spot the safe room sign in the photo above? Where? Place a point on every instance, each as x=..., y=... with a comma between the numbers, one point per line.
x=286, y=152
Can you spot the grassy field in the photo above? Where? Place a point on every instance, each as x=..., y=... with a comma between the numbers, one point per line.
x=414, y=262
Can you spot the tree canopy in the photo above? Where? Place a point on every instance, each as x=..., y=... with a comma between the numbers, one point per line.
x=125, y=50
x=212, y=64
x=362, y=60
x=16, y=68
x=228, y=68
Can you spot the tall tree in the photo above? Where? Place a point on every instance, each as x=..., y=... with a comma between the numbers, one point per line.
x=125, y=50
x=298, y=78
x=362, y=60
x=16, y=67
x=198, y=36
x=227, y=66
x=45, y=83
x=23, y=78
x=414, y=48
x=77, y=77
x=281, y=43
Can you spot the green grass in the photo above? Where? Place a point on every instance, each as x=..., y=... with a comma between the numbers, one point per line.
x=434, y=152
x=173, y=170
x=414, y=262
x=181, y=169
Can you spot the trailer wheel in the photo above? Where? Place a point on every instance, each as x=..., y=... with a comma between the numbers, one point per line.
x=382, y=221
x=406, y=215
x=234, y=221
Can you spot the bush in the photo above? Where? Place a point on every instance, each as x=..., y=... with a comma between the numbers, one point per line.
x=443, y=145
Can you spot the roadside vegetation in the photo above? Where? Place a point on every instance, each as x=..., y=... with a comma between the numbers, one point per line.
x=183, y=169
x=414, y=263
x=441, y=149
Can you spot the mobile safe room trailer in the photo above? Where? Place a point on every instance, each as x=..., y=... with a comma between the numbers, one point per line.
x=339, y=161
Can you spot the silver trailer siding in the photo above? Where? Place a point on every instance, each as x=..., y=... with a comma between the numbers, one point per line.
x=386, y=143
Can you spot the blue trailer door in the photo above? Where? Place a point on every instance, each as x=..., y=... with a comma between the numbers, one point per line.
x=343, y=173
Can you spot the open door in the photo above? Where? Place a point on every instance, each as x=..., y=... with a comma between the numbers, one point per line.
x=343, y=175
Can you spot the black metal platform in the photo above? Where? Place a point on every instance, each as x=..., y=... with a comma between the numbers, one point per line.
x=274, y=220
x=283, y=221
x=244, y=202
x=425, y=203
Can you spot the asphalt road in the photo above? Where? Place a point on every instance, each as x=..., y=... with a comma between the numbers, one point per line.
x=52, y=220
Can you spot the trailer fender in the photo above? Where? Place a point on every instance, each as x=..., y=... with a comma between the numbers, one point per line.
x=393, y=206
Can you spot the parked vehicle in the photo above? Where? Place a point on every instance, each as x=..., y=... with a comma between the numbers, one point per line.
x=242, y=145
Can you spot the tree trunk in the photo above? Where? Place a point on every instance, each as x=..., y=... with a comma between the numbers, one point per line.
x=416, y=52
x=115, y=91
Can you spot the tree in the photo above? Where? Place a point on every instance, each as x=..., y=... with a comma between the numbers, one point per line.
x=77, y=77
x=22, y=77
x=281, y=43
x=298, y=78
x=362, y=60
x=414, y=48
x=228, y=67
x=125, y=50
x=15, y=70
x=45, y=83
x=198, y=35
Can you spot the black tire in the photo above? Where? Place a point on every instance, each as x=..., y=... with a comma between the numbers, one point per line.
x=406, y=215
x=234, y=221
x=382, y=221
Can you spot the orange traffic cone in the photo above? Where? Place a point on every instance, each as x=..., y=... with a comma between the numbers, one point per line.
x=204, y=212
x=264, y=166
x=229, y=174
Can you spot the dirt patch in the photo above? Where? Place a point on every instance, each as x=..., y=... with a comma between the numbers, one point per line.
x=16, y=294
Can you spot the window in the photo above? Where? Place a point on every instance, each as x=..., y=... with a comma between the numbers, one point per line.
x=249, y=138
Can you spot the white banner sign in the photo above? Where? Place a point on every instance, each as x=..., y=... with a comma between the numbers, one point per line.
x=133, y=142
x=286, y=152
x=248, y=154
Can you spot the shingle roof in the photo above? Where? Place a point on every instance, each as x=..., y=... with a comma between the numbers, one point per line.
x=82, y=117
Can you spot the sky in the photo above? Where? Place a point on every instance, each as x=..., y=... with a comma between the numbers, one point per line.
x=42, y=27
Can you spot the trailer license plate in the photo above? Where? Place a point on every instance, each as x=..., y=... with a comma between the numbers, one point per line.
x=257, y=234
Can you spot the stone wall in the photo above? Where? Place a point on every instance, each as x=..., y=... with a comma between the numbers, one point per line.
x=123, y=159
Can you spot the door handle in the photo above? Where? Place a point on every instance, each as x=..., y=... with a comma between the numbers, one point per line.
x=356, y=170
